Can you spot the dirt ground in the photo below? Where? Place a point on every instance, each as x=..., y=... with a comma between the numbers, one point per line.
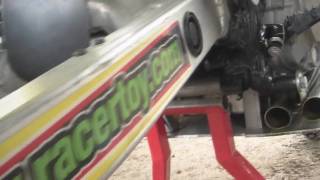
x=287, y=157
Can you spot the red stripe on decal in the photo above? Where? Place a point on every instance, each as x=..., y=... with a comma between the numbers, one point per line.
x=29, y=148
x=119, y=137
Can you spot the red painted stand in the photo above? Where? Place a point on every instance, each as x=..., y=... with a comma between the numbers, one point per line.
x=160, y=151
x=221, y=132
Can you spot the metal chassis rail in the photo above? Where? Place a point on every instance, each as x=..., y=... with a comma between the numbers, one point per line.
x=61, y=126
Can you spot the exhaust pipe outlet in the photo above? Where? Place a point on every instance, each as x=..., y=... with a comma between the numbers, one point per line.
x=311, y=108
x=278, y=117
x=311, y=105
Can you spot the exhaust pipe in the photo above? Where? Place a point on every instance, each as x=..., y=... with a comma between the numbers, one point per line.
x=278, y=117
x=311, y=108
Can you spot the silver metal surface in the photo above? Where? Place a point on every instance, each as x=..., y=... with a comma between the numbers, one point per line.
x=42, y=34
x=316, y=28
x=310, y=107
x=22, y=106
x=302, y=84
x=101, y=17
x=189, y=103
x=221, y=10
x=252, y=112
x=201, y=87
x=235, y=104
x=278, y=117
x=72, y=73
x=9, y=81
x=124, y=12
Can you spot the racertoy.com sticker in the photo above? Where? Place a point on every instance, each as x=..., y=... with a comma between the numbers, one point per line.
x=102, y=122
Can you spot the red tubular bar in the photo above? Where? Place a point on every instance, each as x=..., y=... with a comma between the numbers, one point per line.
x=226, y=153
x=221, y=131
x=160, y=151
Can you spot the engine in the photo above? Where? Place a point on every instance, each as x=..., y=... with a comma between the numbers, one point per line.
x=270, y=56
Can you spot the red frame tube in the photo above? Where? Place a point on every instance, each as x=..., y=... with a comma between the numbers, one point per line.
x=220, y=130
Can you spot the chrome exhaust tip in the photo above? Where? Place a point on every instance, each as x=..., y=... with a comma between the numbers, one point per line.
x=278, y=117
x=311, y=108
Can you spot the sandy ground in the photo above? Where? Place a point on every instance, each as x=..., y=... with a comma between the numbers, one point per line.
x=287, y=157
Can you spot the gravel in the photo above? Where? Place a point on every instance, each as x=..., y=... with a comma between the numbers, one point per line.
x=286, y=157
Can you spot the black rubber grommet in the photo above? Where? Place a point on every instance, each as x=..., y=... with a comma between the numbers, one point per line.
x=193, y=34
